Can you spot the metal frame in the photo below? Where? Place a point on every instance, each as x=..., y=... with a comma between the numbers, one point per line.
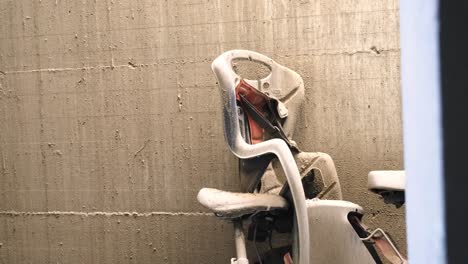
x=241, y=251
x=228, y=80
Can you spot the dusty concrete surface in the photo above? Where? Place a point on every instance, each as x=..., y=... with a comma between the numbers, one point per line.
x=110, y=107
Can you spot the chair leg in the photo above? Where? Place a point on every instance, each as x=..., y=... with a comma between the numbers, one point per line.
x=240, y=244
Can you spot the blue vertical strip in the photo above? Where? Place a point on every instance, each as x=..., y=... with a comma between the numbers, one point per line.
x=422, y=130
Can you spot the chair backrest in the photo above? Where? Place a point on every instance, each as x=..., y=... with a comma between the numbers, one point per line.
x=282, y=83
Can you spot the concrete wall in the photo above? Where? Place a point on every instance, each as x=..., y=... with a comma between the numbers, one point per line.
x=109, y=107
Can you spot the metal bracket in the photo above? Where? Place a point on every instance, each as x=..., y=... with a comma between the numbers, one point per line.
x=394, y=257
x=239, y=261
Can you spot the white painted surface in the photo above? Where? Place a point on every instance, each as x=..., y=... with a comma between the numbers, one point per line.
x=234, y=204
x=422, y=131
x=390, y=180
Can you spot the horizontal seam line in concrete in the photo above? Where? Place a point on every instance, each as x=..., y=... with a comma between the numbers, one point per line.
x=106, y=214
x=100, y=67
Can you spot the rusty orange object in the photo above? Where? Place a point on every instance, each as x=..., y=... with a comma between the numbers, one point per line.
x=259, y=101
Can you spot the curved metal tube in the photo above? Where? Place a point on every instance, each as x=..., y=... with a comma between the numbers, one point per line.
x=228, y=80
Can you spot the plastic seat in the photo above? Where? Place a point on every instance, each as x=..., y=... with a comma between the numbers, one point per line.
x=233, y=205
x=286, y=86
x=386, y=181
